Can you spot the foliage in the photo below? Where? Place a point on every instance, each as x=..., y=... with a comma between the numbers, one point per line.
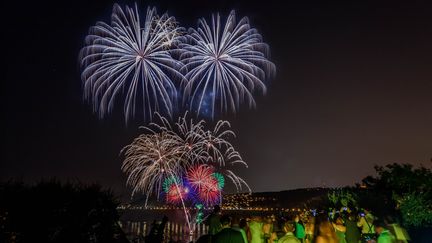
x=51, y=211
x=400, y=189
x=342, y=198
x=398, y=193
x=400, y=179
x=416, y=209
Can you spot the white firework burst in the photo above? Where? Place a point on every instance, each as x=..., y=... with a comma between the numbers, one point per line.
x=225, y=64
x=169, y=28
x=150, y=159
x=132, y=58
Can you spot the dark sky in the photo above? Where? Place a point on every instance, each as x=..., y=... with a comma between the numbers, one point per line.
x=353, y=89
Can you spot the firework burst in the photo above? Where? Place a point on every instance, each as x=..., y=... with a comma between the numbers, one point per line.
x=207, y=146
x=158, y=159
x=133, y=58
x=201, y=179
x=169, y=181
x=150, y=159
x=210, y=194
x=225, y=64
x=176, y=193
x=220, y=180
x=200, y=176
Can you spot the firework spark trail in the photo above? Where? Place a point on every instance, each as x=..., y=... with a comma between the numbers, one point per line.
x=225, y=64
x=125, y=57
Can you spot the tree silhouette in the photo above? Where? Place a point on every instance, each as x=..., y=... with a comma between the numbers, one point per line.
x=51, y=211
x=401, y=189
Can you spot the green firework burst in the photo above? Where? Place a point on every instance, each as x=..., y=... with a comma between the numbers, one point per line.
x=169, y=181
x=220, y=179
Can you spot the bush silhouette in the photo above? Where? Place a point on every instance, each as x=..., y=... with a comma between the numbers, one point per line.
x=51, y=211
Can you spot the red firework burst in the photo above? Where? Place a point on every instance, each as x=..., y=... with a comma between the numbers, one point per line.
x=210, y=193
x=176, y=193
x=200, y=176
x=201, y=179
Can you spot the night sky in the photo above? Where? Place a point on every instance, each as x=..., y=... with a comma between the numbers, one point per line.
x=353, y=89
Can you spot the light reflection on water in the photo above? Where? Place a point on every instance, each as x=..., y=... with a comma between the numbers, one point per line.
x=137, y=224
